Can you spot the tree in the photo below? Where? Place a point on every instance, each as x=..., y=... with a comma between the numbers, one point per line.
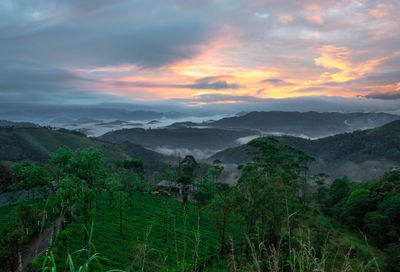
x=30, y=178
x=269, y=188
x=61, y=161
x=321, y=190
x=338, y=191
x=379, y=229
x=117, y=182
x=81, y=176
x=209, y=186
x=5, y=177
x=134, y=177
x=215, y=172
x=357, y=205
x=186, y=177
x=390, y=207
x=186, y=168
x=220, y=208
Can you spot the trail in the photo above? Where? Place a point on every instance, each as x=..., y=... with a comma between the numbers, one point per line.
x=39, y=244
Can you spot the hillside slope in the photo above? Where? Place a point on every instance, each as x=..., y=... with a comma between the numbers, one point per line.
x=37, y=143
x=360, y=154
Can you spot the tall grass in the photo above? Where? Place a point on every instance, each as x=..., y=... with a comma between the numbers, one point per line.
x=297, y=252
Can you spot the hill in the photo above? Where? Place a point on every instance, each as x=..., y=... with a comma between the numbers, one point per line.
x=179, y=136
x=204, y=139
x=5, y=123
x=309, y=124
x=37, y=143
x=359, y=154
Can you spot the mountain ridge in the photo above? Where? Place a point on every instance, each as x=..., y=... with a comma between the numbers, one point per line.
x=312, y=124
x=376, y=149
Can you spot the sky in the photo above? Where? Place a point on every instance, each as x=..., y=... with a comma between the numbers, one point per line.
x=199, y=54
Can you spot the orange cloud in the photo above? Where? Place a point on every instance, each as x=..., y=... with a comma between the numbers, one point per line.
x=313, y=13
x=285, y=18
x=334, y=57
x=381, y=10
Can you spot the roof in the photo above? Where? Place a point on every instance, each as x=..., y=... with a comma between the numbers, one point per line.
x=169, y=184
x=174, y=184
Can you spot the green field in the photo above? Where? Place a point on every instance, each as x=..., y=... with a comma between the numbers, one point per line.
x=161, y=220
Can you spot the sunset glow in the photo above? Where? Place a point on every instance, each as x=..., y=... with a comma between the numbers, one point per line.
x=227, y=49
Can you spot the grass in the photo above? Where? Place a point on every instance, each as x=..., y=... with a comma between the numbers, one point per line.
x=152, y=236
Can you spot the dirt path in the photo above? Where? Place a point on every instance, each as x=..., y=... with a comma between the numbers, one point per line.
x=39, y=244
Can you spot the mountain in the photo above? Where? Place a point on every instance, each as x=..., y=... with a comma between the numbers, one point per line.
x=66, y=114
x=180, y=136
x=360, y=154
x=37, y=143
x=308, y=124
x=202, y=139
x=5, y=123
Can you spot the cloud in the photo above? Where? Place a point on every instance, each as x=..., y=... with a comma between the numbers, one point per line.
x=101, y=33
x=309, y=89
x=212, y=83
x=314, y=13
x=246, y=139
x=206, y=83
x=147, y=46
x=84, y=51
x=338, y=59
x=27, y=75
x=182, y=152
x=222, y=98
x=276, y=82
x=217, y=85
x=383, y=96
x=380, y=79
x=285, y=18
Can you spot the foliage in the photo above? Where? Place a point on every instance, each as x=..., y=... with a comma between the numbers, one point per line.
x=372, y=207
x=271, y=220
x=30, y=177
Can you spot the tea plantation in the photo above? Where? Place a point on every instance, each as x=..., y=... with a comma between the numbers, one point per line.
x=153, y=235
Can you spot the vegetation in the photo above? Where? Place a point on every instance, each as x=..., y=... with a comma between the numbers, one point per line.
x=365, y=154
x=276, y=218
x=37, y=144
x=371, y=207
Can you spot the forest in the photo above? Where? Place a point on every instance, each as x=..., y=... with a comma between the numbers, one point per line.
x=107, y=216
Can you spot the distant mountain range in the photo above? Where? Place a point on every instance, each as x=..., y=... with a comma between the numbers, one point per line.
x=82, y=116
x=361, y=154
x=5, y=123
x=230, y=132
x=307, y=124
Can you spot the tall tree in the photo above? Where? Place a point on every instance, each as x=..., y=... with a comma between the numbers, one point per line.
x=270, y=188
x=186, y=177
x=134, y=178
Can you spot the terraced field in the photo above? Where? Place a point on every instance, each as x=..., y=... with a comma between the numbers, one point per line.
x=153, y=235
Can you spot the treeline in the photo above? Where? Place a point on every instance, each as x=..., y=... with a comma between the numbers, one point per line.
x=372, y=208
